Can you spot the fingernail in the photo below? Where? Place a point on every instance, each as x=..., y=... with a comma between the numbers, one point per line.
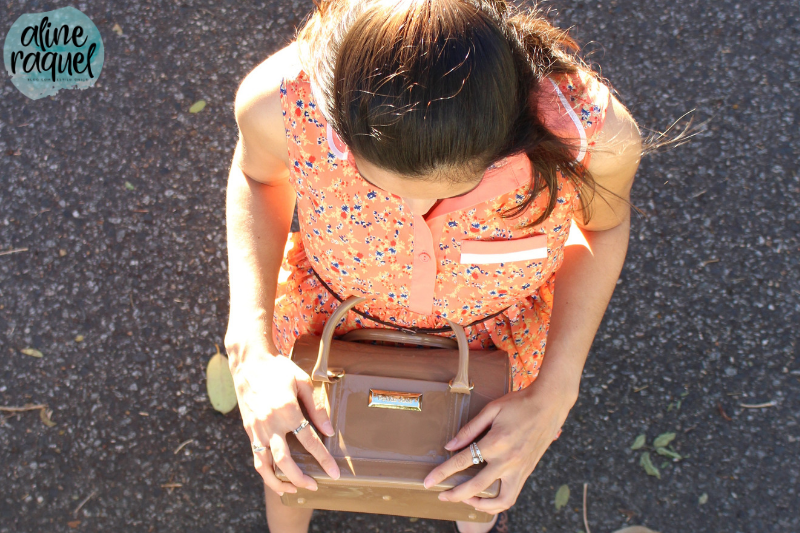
x=427, y=483
x=336, y=474
x=280, y=494
x=327, y=428
x=292, y=491
x=443, y=497
x=450, y=444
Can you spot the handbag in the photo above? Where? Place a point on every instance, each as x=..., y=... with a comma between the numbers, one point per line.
x=393, y=409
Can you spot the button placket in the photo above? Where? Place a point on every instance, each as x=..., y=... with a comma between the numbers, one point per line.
x=423, y=272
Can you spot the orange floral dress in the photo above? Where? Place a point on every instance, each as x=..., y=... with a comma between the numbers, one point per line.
x=461, y=260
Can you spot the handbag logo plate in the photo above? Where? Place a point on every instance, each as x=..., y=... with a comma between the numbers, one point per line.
x=388, y=399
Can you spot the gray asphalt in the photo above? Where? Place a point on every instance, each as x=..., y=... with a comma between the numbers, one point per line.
x=704, y=319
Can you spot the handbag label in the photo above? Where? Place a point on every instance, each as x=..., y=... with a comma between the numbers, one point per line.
x=387, y=399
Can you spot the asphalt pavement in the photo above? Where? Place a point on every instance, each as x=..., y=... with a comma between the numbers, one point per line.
x=112, y=227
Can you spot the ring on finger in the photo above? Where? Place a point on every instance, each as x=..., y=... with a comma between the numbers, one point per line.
x=478, y=452
x=472, y=451
x=300, y=427
x=257, y=448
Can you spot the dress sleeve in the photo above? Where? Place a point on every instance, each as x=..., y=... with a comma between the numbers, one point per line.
x=574, y=106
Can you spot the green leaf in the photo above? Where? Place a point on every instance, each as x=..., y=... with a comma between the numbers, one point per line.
x=129, y=185
x=562, y=497
x=703, y=499
x=669, y=453
x=219, y=384
x=197, y=106
x=663, y=440
x=33, y=352
x=639, y=442
x=648, y=465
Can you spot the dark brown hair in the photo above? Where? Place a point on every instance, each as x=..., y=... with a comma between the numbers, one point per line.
x=440, y=89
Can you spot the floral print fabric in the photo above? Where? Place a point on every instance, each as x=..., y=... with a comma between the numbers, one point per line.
x=461, y=261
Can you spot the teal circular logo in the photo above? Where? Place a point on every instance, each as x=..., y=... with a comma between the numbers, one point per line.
x=46, y=52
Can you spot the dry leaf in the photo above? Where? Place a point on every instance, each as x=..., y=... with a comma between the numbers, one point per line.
x=45, y=414
x=703, y=499
x=117, y=29
x=562, y=497
x=648, y=465
x=663, y=440
x=219, y=384
x=32, y=352
x=79, y=338
x=639, y=442
x=197, y=106
x=74, y=524
x=669, y=453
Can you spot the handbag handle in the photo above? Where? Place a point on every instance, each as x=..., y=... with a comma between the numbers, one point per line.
x=460, y=383
x=380, y=334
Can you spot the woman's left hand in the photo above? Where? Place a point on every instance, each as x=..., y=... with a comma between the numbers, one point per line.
x=523, y=425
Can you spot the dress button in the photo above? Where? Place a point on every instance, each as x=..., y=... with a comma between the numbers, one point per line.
x=424, y=257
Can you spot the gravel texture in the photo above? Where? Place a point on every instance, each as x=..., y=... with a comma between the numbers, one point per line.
x=704, y=319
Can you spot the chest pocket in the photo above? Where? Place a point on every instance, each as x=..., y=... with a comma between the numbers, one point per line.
x=504, y=270
x=494, y=252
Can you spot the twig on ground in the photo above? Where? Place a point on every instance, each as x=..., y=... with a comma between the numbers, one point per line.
x=585, y=519
x=80, y=505
x=14, y=251
x=27, y=407
x=172, y=485
x=179, y=448
x=722, y=412
x=757, y=405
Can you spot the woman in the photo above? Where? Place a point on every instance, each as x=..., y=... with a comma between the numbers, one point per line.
x=405, y=131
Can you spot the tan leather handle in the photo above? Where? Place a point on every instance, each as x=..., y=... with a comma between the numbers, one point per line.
x=460, y=383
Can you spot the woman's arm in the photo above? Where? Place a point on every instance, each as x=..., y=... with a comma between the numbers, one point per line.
x=260, y=201
x=588, y=275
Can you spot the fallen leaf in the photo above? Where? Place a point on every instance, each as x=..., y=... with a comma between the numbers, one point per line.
x=413, y=519
x=562, y=497
x=663, y=440
x=703, y=499
x=219, y=384
x=669, y=453
x=32, y=352
x=129, y=185
x=62, y=252
x=117, y=29
x=44, y=414
x=648, y=465
x=197, y=106
x=74, y=524
x=639, y=442
x=79, y=338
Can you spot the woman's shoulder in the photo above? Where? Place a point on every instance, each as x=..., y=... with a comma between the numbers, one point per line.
x=258, y=106
x=573, y=105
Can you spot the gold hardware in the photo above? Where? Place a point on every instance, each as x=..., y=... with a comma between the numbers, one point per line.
x=301, y=501
x=471, y=384
x=335, y=374
x=472, y=516
x=387, y=497
x=388, y=399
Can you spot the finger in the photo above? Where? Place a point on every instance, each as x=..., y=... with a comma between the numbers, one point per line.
x=283, y=458
x=310, y=440
x=473, y=428
x=317, y=407
x=460, y=461
x=505, y=500
x=263, y=465
x=470, y=488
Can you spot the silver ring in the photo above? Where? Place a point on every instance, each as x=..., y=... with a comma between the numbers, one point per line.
x=258, y=448
x=304, y=424
x=477, y=451
x=474, y=457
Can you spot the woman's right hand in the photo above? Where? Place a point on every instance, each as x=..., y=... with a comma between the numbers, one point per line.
x=269, y=388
